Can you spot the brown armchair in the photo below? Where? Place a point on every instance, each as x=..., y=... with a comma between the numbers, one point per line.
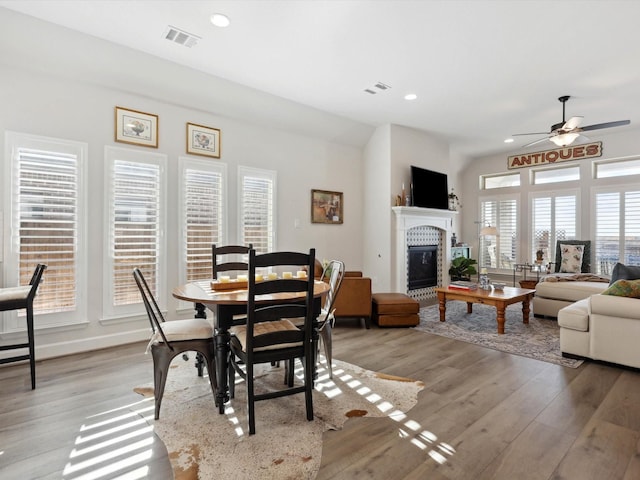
x=354, y=297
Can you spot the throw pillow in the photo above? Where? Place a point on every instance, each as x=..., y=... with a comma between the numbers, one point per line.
x=624, y=288
x=571, y=258
x=624, y=272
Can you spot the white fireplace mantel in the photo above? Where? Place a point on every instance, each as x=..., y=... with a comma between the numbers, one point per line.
x=411, y=217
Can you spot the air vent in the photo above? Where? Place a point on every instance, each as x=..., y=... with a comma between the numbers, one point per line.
x=368, y=90
x=181, y=37
x=382, y=86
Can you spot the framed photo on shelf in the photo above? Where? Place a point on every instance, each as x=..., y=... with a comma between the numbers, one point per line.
x=136, y=128
x=203, y=140
x=326, y=207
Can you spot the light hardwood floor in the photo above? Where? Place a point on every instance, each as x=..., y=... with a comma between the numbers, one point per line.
x=482, y=415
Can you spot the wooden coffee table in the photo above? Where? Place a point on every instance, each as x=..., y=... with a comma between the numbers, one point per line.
x=499, y=299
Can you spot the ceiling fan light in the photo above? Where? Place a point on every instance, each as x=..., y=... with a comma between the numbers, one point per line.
x=564, y=139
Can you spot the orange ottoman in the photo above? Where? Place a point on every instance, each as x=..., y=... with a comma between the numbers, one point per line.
x=395, y=310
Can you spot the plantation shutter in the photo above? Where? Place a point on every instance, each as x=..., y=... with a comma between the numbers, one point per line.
x=632, y=228
x=203, y=217
x=499, y=252
x=257, y=211
x=553, y=218
x=45, y=208
x=607, y=241
x=135, y=227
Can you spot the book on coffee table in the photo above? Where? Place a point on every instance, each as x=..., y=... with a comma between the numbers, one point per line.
x=463, y=285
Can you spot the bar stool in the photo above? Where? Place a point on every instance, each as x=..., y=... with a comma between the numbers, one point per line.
x=16, y=298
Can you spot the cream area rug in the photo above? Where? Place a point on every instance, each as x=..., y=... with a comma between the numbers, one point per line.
x=203, y=444
x=539, y=339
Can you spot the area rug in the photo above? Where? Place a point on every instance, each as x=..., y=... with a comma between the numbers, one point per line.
x=539, y=339
x=203, y=444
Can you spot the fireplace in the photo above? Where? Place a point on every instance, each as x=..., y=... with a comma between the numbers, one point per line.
x=423, y=266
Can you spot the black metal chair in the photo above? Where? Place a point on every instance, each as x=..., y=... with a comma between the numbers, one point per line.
x=17, y=298
x=172, y=338
x=333, y=273
x=269, y=336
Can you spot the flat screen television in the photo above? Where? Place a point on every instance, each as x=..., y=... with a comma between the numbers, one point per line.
x=429, y=189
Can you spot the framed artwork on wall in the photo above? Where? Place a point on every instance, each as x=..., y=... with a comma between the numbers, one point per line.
x=326, y=207
x=137, y=128
x=203, y=140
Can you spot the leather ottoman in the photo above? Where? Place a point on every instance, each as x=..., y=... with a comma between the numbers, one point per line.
x=395, y=310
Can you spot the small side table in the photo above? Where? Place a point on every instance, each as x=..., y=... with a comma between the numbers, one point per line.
x=528, y=267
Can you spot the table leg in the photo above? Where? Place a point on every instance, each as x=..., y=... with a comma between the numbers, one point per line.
x=500, y=318
x=221, y=342
x=469, y=307
x=442, y=303
x=525, y=310
x=201, y=312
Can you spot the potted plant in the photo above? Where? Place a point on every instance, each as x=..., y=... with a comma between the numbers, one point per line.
x=462, y=268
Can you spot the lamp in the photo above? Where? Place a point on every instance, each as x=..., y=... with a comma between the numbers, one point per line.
x=564, y=139
x=489, y=231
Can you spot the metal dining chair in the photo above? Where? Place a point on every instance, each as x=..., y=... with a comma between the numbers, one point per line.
x=17, y=298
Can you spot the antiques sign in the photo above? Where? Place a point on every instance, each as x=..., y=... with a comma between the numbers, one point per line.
x=564, y=154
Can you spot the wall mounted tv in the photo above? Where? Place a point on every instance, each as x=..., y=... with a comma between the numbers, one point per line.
x=429, y=189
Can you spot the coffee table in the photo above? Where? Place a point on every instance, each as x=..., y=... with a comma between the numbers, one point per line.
x=497, y=298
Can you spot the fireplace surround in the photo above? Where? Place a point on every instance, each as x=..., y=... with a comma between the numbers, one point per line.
x=412, y=219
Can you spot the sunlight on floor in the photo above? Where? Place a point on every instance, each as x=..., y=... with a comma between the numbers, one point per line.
x=115, y=443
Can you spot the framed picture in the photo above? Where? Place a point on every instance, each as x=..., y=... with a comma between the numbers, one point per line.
x=326, y=207
x=203, y=140
x=137, y=128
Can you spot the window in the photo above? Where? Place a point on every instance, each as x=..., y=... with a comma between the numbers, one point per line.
x=617, y=168
x=555, y=175
x=553, y=217
x=44, y=197
x=617, y=228
x=488, y=182
x=136, y=227
x=203, y=194
x=499, y=252
x=256, y=208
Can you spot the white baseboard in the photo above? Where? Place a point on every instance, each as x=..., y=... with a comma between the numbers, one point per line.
x=88, y=344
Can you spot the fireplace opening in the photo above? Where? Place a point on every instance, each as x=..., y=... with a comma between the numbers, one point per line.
x=423, y=266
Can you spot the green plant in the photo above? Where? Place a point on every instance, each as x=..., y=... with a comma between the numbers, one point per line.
x=462, y=268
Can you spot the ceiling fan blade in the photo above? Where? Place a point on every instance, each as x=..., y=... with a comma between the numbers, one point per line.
x=535, y=142
x=537, y=133
x=598, y=126
x=573, y=122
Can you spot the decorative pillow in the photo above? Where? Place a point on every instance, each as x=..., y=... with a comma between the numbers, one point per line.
x=624, y=288
x=624, y=272
x=571, y=258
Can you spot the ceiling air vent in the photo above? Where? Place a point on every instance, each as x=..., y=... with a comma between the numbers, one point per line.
x=382, y=86
x=368, y=90
x=181, y=37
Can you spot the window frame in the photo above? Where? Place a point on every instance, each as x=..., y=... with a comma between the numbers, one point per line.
x=112, y=154
x=14, y=141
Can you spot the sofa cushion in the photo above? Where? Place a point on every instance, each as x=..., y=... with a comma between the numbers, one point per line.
x=624, y=272
x=571, y=258
x=569, y=291
x=624, y=288
x=575, y=316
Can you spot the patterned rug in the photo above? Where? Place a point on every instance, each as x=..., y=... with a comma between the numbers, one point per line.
x=203, y=444
x=539, y=339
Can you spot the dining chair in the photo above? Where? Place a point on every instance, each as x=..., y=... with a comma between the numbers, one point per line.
x=230, y=264
x=333, y=274
x=17, y=298
x=171, y=338
x=269, y=336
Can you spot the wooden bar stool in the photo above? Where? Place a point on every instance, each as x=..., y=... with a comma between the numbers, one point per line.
x=16, y=298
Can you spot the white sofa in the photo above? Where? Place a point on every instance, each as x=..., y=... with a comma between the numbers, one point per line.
x=602, y=327
x=552, y=296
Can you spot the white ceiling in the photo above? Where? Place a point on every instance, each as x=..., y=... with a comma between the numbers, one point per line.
x=482, y=70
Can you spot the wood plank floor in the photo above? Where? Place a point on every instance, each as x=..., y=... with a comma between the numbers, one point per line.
x=482, y=415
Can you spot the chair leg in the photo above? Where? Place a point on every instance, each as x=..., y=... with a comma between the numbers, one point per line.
x=161, y=361
x=32, y=352
x=309, y=368
x=325, y=334
x=251, y=402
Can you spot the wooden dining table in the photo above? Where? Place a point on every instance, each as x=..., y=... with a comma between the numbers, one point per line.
x=229, y=303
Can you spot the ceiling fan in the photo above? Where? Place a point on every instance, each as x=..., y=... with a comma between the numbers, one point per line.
x=566, y=132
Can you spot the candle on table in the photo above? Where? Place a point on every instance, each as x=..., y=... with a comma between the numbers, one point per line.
x=224, y=279
x=483, y=271
x=287, y=275
x=259, y=277
x=301, y=274
x=272, y=276
x=242, y=278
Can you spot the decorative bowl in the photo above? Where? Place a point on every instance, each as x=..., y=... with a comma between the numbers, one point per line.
x=498, y=286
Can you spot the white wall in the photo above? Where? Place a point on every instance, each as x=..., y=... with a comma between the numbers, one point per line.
x=308, y=149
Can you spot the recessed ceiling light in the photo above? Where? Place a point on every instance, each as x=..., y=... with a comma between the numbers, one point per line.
x=509, y=140
x=220, y=20
x=410, y=96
